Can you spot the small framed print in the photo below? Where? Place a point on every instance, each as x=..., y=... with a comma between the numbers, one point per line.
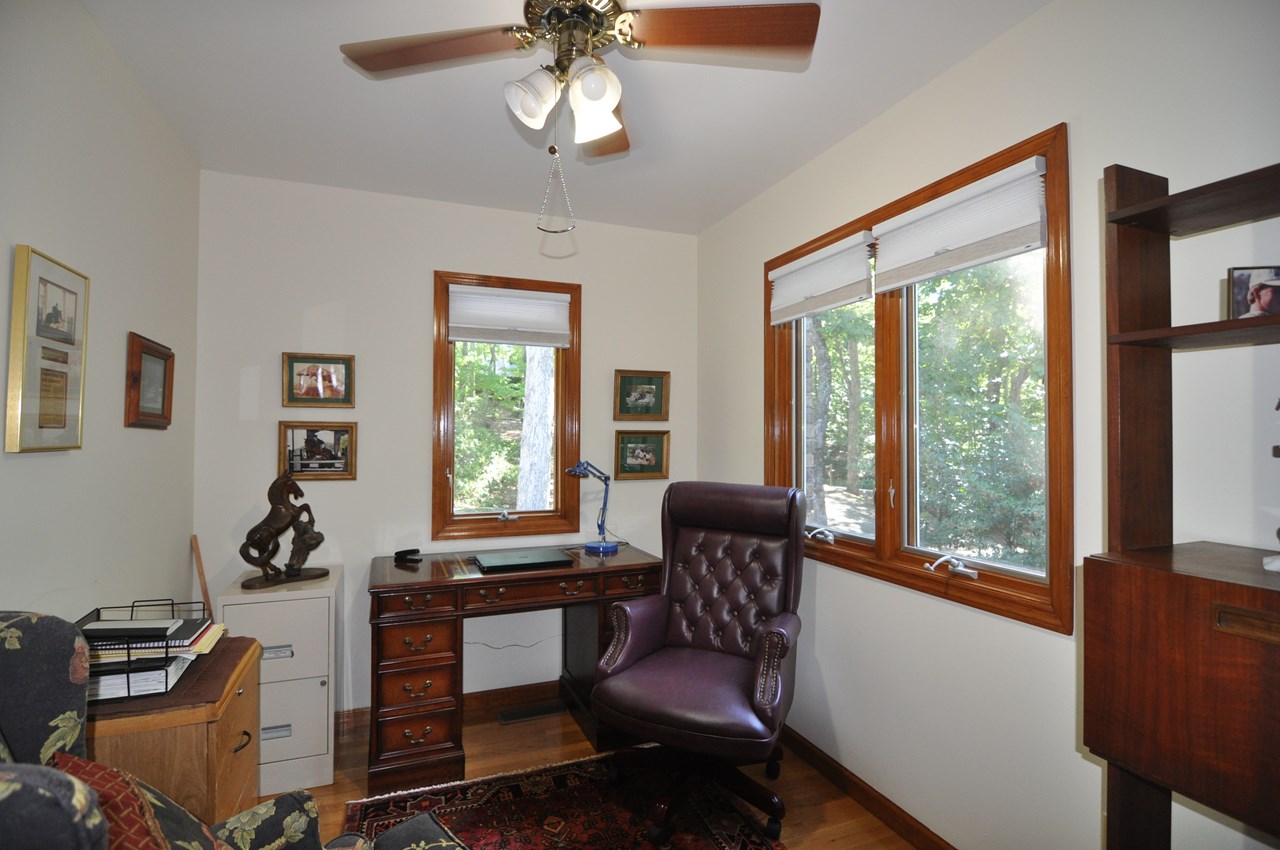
x=641, y=454
x=318, y=450
x=148, y=384
x=46, y=354
x=640, y=395
x=318, y=380
x=1254, y=291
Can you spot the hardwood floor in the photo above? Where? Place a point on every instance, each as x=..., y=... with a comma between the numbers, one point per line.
x=818, y=814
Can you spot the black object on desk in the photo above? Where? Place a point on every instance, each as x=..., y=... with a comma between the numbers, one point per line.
x=522, y=559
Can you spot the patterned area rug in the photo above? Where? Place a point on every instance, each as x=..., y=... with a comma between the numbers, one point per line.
x=575, y=805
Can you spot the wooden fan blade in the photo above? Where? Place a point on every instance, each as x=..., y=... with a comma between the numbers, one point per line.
x=615, y=142
x=386, y=54
x=784, y=25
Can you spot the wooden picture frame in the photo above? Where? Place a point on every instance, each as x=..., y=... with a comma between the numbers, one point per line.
x=148, y=384
x=641, y=454
x=46, y=354
x=639, y=394
x=318, y=450
x=317, y=380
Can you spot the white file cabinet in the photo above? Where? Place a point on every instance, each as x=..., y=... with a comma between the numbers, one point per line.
x=296, y=624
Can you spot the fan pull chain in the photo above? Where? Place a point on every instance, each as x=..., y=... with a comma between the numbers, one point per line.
x=556, y=169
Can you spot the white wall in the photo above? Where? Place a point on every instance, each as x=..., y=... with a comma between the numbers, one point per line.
x=92, y=176
x=968, y=721
x=294, y=267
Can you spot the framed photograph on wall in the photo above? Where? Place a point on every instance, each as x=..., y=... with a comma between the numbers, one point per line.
x=318, y=450
x=641, y=454
x=148, y=384
x=318, y=380
x=641, y=395
x=1254, y=291
x=46, y=354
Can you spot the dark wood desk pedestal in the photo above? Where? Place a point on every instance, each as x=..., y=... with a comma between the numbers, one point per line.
x=415, y=735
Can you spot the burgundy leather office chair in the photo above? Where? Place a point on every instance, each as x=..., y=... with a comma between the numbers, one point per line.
x=707, y=666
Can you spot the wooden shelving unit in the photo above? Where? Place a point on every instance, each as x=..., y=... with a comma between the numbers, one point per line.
x=1181, y=642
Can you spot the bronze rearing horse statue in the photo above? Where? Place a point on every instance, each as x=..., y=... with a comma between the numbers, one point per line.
x=260, y=544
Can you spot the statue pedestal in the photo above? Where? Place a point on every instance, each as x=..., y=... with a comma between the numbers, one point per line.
x=307, y=574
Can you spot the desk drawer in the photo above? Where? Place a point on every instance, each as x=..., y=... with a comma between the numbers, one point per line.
x=639, y=582
x=424, y=686
x=429, y=639
x=417, y=734
x=416, y=602
x=517, y=594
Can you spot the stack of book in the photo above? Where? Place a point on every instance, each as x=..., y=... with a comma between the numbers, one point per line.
x=129, y=658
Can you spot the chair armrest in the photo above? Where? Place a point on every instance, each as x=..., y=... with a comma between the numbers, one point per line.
x=639, y=629
x=775, y=669
x=42, y=807
x=290, y=818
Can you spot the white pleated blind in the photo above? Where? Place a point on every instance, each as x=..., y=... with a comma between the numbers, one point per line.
x=998, y=216
x=511, y=316
x=830, y=277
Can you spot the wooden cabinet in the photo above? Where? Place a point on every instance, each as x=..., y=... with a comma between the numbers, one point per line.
x=416, y=616
x=198, y=743
x=1181, y=642
x=296, y=623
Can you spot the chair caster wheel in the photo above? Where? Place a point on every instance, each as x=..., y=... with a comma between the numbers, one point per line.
x=773, y=829
x=773, y=769
x=658, y=835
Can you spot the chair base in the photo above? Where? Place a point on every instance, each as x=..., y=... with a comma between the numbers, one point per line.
x=727, y=776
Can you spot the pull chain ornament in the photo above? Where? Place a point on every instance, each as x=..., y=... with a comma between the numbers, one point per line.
x=556, y=171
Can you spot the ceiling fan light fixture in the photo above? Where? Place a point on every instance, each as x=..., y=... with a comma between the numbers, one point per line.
x=530, y=99
x=594, y=94
x=592, y=124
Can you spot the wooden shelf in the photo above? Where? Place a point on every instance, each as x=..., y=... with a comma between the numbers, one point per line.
x=1264, y=330
x=1204, y=559
x=1243, y=199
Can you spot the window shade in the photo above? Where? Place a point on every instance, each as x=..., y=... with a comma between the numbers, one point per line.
x=829, y=277
x=996, y=217
x=511, y=316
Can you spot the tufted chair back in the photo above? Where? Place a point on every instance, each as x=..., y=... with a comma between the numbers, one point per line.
x=44, y=668
x=732, y=558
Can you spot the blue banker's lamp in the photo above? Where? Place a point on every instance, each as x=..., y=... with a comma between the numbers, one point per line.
x=585, y=469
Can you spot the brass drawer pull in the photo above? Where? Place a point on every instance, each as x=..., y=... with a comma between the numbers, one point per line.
x=408, y=641
x=408, y=689
x=426, y=600
x=639, y=583
x=416, y=741
x=577, y=588
x=484, y=594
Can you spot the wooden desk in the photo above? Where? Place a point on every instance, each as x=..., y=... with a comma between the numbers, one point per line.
x=416, y=616
x=198, y=742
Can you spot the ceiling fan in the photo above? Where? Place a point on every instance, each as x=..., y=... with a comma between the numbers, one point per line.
x=577, y=30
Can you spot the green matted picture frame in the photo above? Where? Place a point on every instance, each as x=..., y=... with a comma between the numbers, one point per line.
x=47, y=328
x=639, y=394
x=317, y=380
x=641, y=454
x=318, y=450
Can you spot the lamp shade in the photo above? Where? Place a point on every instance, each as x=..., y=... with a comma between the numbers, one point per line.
x=531, y=98
x=594, y=92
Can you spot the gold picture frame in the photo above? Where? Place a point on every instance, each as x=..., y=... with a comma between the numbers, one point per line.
x=317, y=380
x=641, y=454
x=148, y=384
x=47, y=328
x=639, y=394
x=318, y=450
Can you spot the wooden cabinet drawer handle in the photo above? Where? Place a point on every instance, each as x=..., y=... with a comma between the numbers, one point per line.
x=416, y=741
x=638, y=585
x=426, y=600
x=577, y=588
x=245, y=740
x=408, y=641
x=484, y=594
x=408, y=689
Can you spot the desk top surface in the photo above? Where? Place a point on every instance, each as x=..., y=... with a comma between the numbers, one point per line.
x=448, y=568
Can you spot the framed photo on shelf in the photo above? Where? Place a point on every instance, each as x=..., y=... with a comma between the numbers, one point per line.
x=318, y=380
x=318, y=450
x=148, y=384
x=1254, y=291
x=641, y=395
x=46, y=354
x=641, y=454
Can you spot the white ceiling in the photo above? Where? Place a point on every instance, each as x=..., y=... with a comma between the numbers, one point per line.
x=258, y=87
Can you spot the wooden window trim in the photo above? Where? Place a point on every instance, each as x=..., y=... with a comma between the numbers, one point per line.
x=1047, y=604
x=564, y=519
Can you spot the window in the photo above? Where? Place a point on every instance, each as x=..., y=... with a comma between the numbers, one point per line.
x=506, y=401
x=932, y=420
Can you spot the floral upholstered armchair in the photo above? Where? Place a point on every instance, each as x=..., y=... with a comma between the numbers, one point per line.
x=53, y=796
